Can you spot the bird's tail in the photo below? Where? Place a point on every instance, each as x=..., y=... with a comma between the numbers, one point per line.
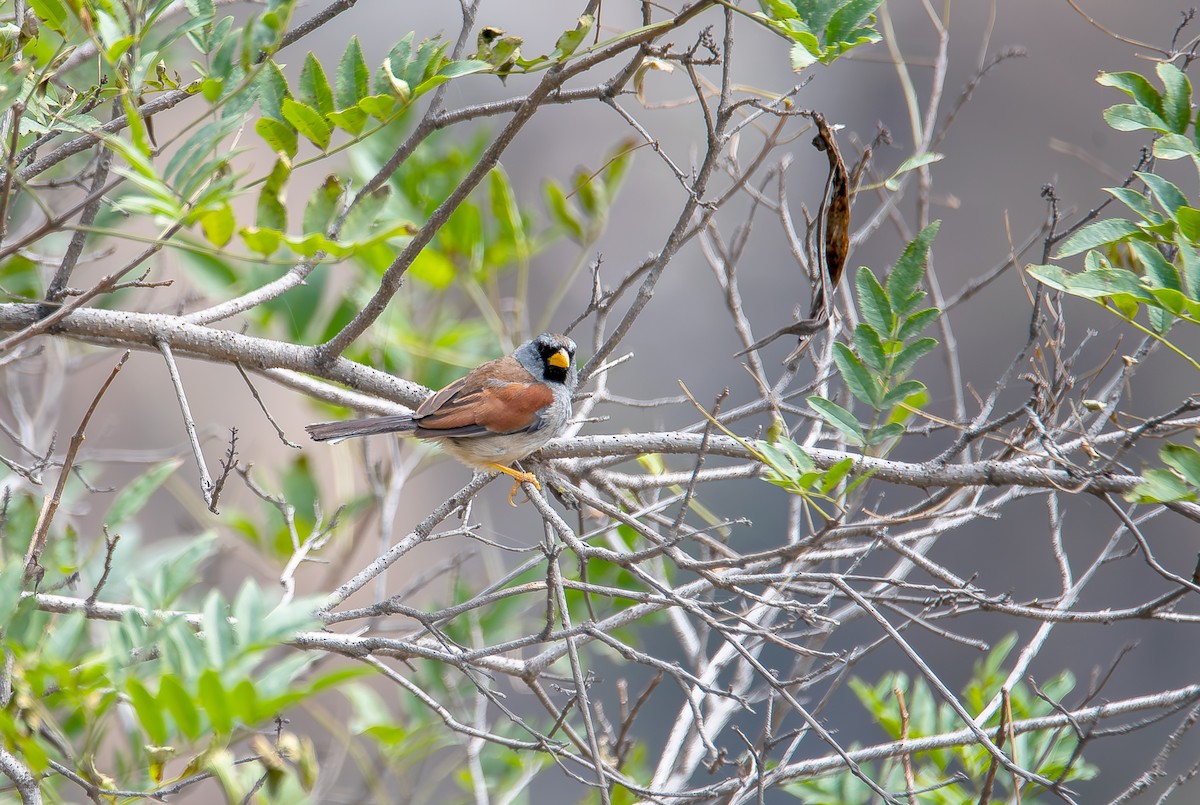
x=348, y=429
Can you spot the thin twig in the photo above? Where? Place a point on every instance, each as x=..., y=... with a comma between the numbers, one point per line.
x=189, y=424
x=37, y=542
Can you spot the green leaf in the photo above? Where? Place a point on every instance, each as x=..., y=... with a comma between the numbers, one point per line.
x=262, y=241
x=1129, y=117
x=1171, y=300
x=1163, y=274
x=173, y=698
x=501, y=50
x=148, y=713
x=917, y=322
x=118, y=47
x=504, y=207
x=862, y=383
x=885, y=433
x=911, y=354
x=1137, y=87
x=353, y=80
x=817, y=14
x=1160, y=319
x=1169, y=197
x=1106, y=282
x=902, y=392
x=314, y=87
x=225, y=43
x=566, y=214
x=839, y=418
x=1183, y=460
x=1136, y=202
x=280, y=136
x=1189, y=259
x=52, y=13
x=1160, y=486
x=309, y=246
x=777, y=461
x=220, y=643
x=210, y=88
x=834, y=475
x=218, y=225
x=426, y=61
x=870, y=347
x=201, y=9
x=433, y=268
x=399, y=87
x=1177, y=96
x=905, y=278
x=380, y=107
x=911, y=164
x=876, y=309
x=194, y=164
x=796, y=454
x=1100, y=233
x=569, y=41
x=248, y=611
x=617, y=163
x=1090, y=284
x=861, y=36
x=272, y=202
x=778, y=9
x=213, y=698
x=1123, y=304
x=1175, y=146
x=243, y=700
x=351, y=119
x=846, y=24
x=911, y=404
x=841, y=25
x=134, y=497
x=393, y=65
x=802, y=53
x=272, y=89
x=319, y=212
x=308, y=122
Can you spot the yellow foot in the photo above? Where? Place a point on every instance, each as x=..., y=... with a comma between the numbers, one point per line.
x=521, y=477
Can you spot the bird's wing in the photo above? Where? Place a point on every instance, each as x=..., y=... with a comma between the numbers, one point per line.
x=498, y=397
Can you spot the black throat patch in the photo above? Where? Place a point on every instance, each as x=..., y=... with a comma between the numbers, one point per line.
x=551, y=372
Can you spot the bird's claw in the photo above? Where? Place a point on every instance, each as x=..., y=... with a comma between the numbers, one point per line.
x=520, y=478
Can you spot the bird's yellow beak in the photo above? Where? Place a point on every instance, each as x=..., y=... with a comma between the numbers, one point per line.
x=559, y=359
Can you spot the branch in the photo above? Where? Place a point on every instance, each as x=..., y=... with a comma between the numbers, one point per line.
x=1016, y=472
x=22, y=779
x=144, y=331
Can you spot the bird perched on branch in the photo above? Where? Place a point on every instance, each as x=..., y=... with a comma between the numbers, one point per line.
x=500, y=412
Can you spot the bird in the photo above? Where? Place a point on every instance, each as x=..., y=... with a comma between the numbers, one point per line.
x=499, y=412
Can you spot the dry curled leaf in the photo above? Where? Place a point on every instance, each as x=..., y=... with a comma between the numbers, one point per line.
x=836, y=211
x=833, y=243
